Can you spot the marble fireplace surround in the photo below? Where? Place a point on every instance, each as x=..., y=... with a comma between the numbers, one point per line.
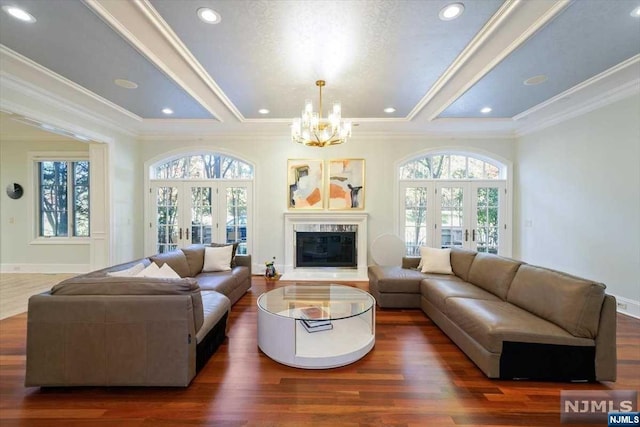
x=303, y=220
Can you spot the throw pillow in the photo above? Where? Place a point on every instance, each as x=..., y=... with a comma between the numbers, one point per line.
x=233, y=254
x=151, y=270
x=217, y=259
x=436, y=260
x=166, y=272
x=419, y=267
x=129, y=272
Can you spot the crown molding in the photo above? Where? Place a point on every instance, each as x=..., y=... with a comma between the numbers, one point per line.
x=9, y=55
x=499, y=37
x=140, y=25
x=10, y=83
x=602, y=100
x=607, y=74
x=172, y=38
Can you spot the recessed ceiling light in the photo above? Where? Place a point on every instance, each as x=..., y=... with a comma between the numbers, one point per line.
x=18, y=13
x=451, y=11
x=486, y=110
x=535, y=80
x=636, y=12
x=389, y=110
x=127, y=84
x=167, y=111
x=263, y=111
x=209, y=16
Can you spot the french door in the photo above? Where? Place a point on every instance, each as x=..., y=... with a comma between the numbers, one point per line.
x=187, y=212
x=464, y=214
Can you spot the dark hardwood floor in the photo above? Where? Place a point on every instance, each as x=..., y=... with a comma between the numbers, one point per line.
x=415, y=376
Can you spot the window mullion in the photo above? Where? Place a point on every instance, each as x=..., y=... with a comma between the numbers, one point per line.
x=71, y=232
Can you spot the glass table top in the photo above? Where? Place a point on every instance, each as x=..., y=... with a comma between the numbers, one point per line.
x=316, y=301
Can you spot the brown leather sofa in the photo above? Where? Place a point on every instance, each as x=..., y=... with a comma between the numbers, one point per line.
x=512, y=319
x=100, y=330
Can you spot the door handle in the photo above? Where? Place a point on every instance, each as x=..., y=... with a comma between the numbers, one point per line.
x=187, y=232
x=181, y=234
x=466, y=235
x=473, y=235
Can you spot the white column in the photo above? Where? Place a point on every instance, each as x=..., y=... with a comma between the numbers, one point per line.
x=100, y=206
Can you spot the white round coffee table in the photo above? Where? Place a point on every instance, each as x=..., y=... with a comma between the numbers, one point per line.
x=316, y=326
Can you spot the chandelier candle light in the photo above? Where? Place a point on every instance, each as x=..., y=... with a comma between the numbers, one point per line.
x=314, y=131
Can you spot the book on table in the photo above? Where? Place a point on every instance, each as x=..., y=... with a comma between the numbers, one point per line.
x=312, y=327
x=315, y=319
x=314, y=313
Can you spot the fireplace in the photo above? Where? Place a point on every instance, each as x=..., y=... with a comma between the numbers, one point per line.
x=325, y=246
x=326, y=249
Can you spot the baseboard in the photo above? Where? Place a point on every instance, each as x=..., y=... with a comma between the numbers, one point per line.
x=44, y=268
x=628, y=306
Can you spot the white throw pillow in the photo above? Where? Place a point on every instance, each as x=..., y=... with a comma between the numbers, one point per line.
x=436, y=260
x=166, y=272
x=151, y=270
x=419, y=267
x=217, y=259
x=129, y=272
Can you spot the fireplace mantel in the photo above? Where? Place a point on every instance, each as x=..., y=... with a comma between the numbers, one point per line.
x=291, y=220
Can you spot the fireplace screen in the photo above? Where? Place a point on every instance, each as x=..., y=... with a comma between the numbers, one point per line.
x=326, y=249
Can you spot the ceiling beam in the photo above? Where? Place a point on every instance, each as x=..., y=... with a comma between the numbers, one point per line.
x=143, y=27
x=512, y=25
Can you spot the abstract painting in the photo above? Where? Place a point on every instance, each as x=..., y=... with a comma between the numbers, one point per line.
x=304, y=182
x=346, y=184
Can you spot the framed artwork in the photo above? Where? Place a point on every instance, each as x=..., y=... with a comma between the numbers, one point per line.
x=346, y=184
x=304, y=181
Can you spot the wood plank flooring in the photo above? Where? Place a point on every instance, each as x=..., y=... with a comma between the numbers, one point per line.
x=415, y=376
x=16, y=288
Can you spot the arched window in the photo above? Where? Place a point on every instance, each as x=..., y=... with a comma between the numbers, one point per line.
x=451, y=166
x=202, y=197
x=203, y=166
x=453, y=199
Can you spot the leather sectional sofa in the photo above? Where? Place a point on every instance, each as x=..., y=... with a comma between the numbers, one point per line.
x=100, y=330
x=512, y=319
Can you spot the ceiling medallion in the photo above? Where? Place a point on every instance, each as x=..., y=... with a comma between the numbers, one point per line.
x=314, y=131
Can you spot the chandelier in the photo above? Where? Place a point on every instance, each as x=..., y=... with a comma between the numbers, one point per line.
x=314, y=131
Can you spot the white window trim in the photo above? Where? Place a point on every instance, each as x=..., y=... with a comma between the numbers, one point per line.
x=33, y=204
x=506, y=175
x=194, y=150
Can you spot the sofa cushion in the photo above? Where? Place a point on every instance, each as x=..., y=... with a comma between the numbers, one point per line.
x=176, y=260
x=570, y=302
x=437, y=291
x=215, y=306
x=461, y=260
x=396, y=279
x=195, y=258
x=490, y=323
x=219, y=281
x=83, y=285
x=493, y=273
x=435, y=260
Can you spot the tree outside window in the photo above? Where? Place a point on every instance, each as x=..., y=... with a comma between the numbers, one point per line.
x=64, y=198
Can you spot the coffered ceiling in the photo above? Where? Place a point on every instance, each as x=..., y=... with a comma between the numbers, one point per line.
x=437, y=74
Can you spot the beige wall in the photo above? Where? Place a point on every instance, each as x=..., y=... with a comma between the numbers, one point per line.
x=578, y=198
x=270, y=154
x=17, y=252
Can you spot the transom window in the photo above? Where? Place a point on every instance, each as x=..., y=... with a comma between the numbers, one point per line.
x=450, y=166
x=203, y=166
